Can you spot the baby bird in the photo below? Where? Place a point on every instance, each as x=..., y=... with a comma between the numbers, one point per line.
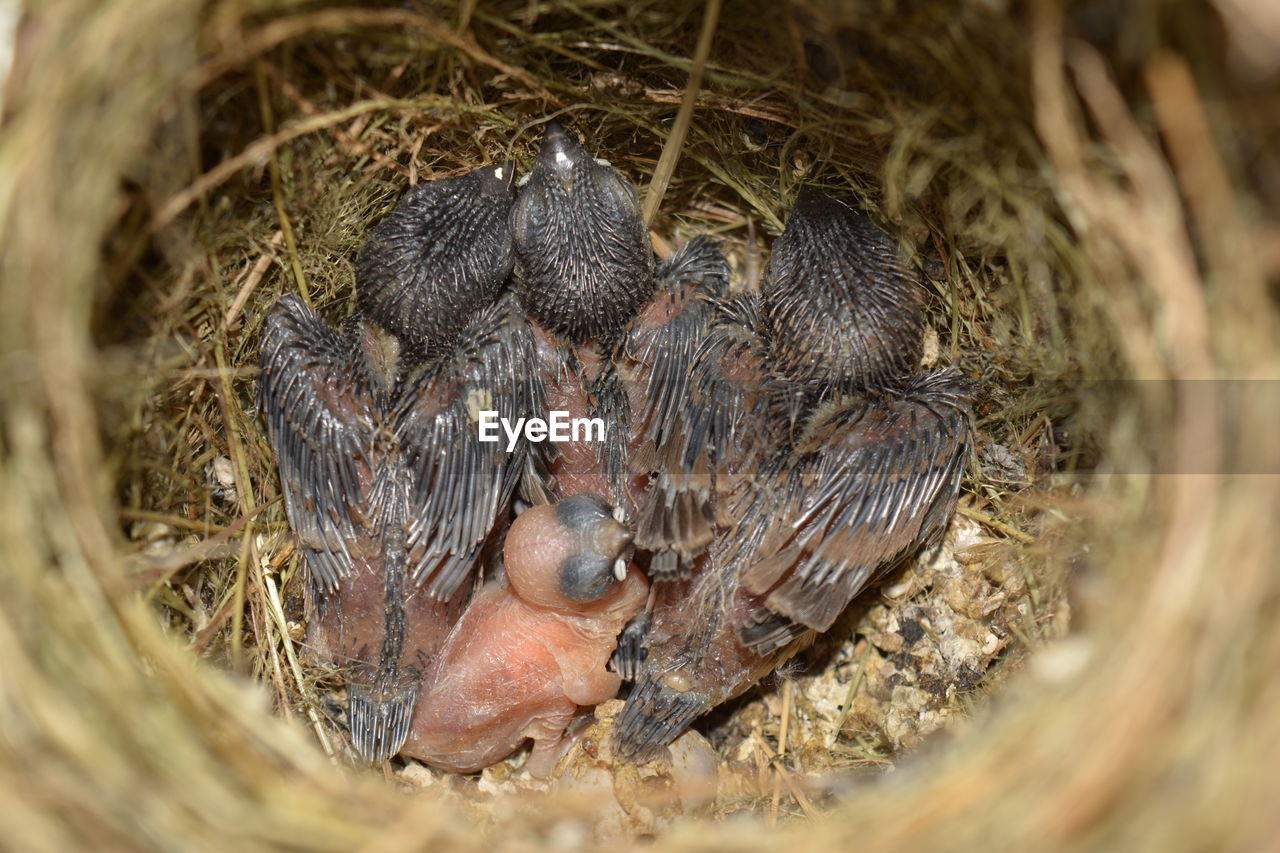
x=600, y=308
x=615, y=334
x=584, y=263
x=394, y=499
x=838, y=309
x=442, y=254
x=861, y=465
x=531, y=649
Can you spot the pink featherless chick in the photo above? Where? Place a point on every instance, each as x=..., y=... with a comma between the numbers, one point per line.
x=532, y=647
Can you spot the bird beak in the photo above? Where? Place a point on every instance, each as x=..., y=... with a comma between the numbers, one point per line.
x=559, y=151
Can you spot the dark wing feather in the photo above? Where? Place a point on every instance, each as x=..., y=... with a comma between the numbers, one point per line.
x=667, y=345
x=698, y=395
x=459, y=486
x=629, y=655
x=870, y=482
x=380, y=720
x=322, y=409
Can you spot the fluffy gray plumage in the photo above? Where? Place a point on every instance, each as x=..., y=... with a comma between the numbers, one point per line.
x=440, y=256
x=584, y=263
x=838, y=306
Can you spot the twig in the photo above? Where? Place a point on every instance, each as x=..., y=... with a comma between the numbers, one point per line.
x=255, y=152
x=282, y=625
x=783, y=726
x=671, y=151
x=277, y=189
x=244, y=491
x=718, y=102
x=762, y=772
x=164, y=568
x=256, y=272
x=283, y=29
x=792, y=786
x=986, y=520
x=198, y=525
x=348, y=139
x=854, y=683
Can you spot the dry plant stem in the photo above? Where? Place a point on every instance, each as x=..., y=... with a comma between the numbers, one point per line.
x=348, y=141
x=245, y=495
x=995, y=524
x=282, y=626
x=762, y=753
x=264, y=147
x=198, y=526
x=544, y=43
x=277, y=193
x=282, y=29
x=162, y=570
x=671, y=150
x=253, y=278
x=854, y=684
x=784, y=725
x=795, y=788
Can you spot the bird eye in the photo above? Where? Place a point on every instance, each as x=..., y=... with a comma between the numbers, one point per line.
x=598, y=561
x=587, y=577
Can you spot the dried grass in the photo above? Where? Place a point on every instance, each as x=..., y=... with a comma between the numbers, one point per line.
x=1087, y=208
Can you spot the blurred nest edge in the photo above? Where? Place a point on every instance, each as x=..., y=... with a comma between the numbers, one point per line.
x=1090, y=190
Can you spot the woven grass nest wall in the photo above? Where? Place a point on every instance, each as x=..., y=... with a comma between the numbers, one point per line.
x=1090, y=189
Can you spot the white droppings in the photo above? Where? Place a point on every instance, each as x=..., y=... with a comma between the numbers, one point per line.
x=478, y=400
x=499, y=173
x=223, y=472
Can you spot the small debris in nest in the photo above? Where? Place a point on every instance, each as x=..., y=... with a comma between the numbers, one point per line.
x=154, y=538
x=1002, y=465
x=634, y=800
x=617, y=85
x=801, y=164
x=616, y=801
x=893, y=672
x=220, y=475
x=931, y=348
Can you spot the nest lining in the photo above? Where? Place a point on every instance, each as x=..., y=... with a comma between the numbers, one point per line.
x=286, y=133
x=861, y=695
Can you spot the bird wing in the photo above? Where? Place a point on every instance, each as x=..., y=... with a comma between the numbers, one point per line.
x=459, y=487
x=699, y=372
x=322, y=410
x=869, y=482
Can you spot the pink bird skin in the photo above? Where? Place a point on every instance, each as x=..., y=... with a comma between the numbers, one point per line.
x=531, y=650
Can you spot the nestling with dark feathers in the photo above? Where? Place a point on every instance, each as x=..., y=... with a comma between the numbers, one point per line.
x=859, y=466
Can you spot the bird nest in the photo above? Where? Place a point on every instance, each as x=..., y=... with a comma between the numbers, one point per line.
x=1085, y=659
